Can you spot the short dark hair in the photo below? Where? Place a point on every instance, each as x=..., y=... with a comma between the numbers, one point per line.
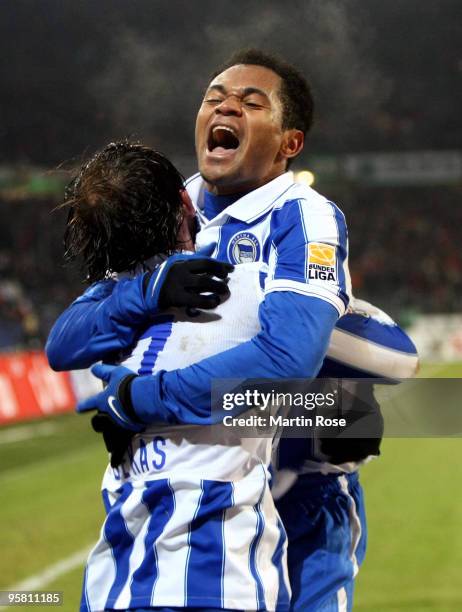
x=295, y=93
x=125, y=207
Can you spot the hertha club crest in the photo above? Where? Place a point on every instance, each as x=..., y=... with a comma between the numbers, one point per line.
x=243, y=248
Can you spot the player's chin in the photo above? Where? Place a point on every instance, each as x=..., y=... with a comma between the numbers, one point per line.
x=219, y=171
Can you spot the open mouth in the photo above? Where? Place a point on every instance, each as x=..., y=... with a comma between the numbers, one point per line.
x=222, y=138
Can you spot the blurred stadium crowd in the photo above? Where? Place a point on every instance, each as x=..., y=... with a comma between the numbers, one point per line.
x=112, y=78
x=404, y=248
x=404, y=256
x=34, y=286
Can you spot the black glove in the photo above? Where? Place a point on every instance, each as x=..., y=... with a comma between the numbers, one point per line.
x=363, y=415
x=116, y=438
x=183, y=279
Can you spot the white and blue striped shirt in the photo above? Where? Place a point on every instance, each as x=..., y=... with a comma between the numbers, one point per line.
x=190, y=517
x=298, y=236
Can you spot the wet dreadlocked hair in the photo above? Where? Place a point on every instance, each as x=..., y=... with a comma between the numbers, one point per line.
x=124, y=207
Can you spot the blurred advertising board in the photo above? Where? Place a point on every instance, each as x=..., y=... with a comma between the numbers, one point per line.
x=438, y=337
x=30, y=389
x=409, y=168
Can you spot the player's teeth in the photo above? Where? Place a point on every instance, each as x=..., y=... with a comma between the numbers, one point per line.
x=222, y=127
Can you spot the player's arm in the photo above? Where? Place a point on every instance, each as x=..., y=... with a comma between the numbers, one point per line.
x=297, y=317
x=292, y=343
x=107, y=317
x=366, y=342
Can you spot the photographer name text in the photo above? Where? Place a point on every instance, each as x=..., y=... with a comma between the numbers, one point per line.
x=280, y=421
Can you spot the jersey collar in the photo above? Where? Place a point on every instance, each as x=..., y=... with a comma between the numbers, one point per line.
x=250, y=206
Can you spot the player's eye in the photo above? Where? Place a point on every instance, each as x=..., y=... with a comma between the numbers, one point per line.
x=253, y=104
x=212, y=100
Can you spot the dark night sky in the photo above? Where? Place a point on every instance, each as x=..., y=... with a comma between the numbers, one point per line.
x=386, y=75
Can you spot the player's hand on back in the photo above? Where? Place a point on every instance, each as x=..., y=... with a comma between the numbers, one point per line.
x=115, y=399
x=187, y=281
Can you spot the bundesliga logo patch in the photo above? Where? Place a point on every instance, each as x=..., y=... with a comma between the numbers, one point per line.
x=321, y=262
x=243, y=248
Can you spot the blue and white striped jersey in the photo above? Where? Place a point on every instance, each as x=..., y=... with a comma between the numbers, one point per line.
x=297, y=235
x=190, y=517
x=189, y=498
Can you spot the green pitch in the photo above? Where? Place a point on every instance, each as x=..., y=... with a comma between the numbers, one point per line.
x=50, y=509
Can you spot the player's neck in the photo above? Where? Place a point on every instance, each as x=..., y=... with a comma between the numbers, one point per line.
x=215, y=204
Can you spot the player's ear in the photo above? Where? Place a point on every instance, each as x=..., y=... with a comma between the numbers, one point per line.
x=187, y=230
x=188, y=206
x=292, y=143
